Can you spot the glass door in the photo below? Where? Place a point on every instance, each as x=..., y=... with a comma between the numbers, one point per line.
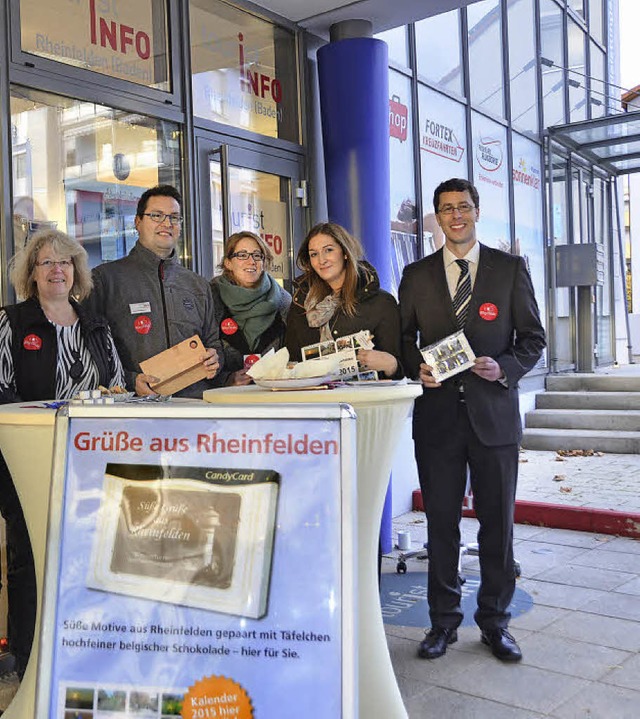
x=243, y=189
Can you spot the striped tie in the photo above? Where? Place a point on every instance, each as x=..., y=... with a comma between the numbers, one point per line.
x=462, y=296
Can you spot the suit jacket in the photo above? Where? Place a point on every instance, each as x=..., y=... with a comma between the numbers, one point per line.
x=514, y=338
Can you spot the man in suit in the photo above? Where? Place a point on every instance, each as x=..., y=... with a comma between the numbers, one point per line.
x=471, y=421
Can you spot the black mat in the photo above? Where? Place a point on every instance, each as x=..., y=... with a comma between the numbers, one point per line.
x=404, y=599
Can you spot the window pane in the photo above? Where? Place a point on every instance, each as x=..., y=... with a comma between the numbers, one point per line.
x=490, y=174
x=443, y=154
x=577, y=6
x=396, y=39
x=598, y=86
x=404, y=238
x=527, y=200
x=439, y=52
x=485, y=56
x=522, y=65
x=244, y=71
x=595, y=20
x=552, y=61
x=127, y=41
x=576, y=75
x=82, y=167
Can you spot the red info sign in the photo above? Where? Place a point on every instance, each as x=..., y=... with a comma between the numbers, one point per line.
x=398, y=119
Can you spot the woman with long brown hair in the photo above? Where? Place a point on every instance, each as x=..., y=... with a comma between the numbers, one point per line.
x=338, y=295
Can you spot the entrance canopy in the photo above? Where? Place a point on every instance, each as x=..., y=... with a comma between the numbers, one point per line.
x=612, y=143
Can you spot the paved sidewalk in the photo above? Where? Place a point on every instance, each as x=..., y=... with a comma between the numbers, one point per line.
x=580, y=638
x=606, y=481
x=580, y=635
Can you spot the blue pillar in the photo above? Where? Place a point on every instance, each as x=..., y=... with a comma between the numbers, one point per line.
x=354, y=108
x=354, y=98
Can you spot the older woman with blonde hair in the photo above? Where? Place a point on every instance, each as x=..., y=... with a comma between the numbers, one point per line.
x=251, y=307
x=339, y=294
x=49, y=348
x=49, y=345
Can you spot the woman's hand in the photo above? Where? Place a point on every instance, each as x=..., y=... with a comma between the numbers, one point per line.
x=211, y=362
x=377, y=360
x=143, y=384
x=427, y=378
x=239, y=379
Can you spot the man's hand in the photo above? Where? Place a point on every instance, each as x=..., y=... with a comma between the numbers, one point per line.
x=427, y=378
x=210, y=362
x=487, y=368
x=143, y=382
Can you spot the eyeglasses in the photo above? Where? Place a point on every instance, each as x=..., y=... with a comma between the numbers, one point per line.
x=462, y=208
x=244, y=255
x=48, y=264
x=160, y=217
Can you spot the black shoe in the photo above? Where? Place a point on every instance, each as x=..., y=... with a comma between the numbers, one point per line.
x=435, y=643
x=502, y=644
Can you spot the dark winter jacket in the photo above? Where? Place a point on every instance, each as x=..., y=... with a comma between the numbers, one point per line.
x=376, y=311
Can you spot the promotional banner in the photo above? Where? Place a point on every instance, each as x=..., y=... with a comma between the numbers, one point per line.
x=491, y=177
x=199, y=570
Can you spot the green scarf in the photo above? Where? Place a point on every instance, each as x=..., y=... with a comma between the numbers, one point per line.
x=253, y=308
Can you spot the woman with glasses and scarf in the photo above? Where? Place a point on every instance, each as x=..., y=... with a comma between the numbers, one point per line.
x=251, y=306
x=338, y=295
x=50, y=348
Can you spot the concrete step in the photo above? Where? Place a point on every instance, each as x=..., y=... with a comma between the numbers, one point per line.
x=593, y=383
x=598, y=419
x=588, y=400
x=602, y=441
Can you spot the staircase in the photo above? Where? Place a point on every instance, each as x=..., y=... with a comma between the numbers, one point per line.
x=586, y=411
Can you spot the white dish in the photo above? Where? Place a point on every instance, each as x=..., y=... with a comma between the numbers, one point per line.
x=294, y=382
x=375, y=383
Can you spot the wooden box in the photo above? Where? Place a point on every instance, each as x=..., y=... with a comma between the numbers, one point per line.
x=178, y=367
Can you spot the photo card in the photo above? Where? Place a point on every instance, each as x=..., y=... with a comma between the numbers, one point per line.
x=346, y=348
x=449, y=356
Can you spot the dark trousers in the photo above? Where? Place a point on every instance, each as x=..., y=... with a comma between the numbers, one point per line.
x=21, y=578
x=493, y=474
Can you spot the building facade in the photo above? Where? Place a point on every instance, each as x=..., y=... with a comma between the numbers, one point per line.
x=102, y=99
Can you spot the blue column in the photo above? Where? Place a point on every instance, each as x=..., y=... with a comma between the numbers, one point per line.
x=354, y=97
x=354, y=108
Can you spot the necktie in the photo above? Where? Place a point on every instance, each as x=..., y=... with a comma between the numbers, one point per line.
x=462, y=296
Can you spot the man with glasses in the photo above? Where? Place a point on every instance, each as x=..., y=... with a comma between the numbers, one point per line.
x=150, y=301
x=469, y=424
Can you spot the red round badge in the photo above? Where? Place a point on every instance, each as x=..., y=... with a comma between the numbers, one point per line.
x=229, y=326
x=250, y=360
x=32, y=342
x=142, y=325
x=488, y=311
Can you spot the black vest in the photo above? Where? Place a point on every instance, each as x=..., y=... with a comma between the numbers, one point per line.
x=35, y=348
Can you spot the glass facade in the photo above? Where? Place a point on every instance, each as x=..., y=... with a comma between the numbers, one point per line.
x=107, y=100
x=98, y=111
x=489, y=79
